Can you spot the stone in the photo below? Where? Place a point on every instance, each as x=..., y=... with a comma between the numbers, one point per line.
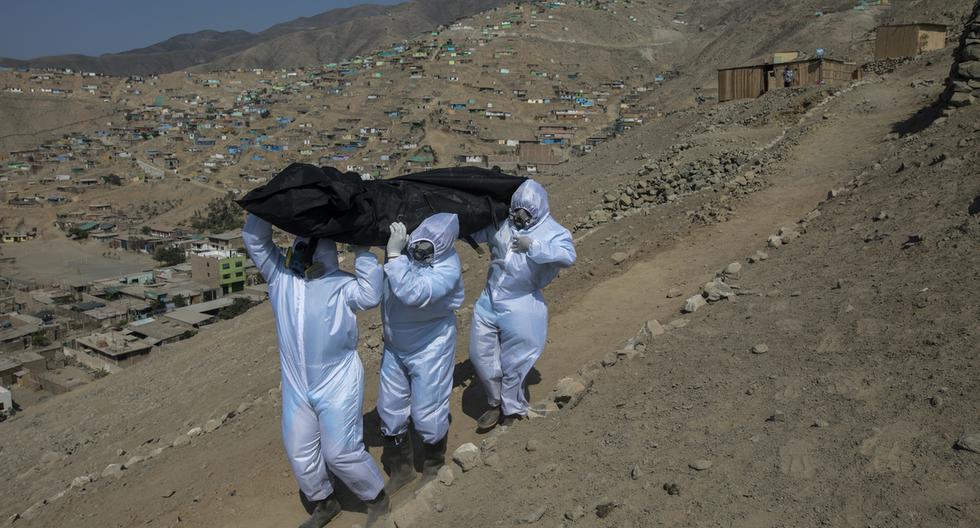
x=604, y=508
x=542, y=409
x=134, y=460
x=672, y=488
x=619, y=257
x=119, y=452
x=600, y=215
x=788, y=234
x=820, y=423
x=677, y=323
x=575, y=513
x=181, y=440
x=674, y=292
x=959, y=100
x=467, y=456
x=491, y=460
x=717, y=290
x=196, y=431
x=410, y=513
x=758, y=256
x=692, y=304
x=609, y=359
x=882, y=215
x=372, y=342
x=532, y=445
x=446, y=475
x=80, y=482
x=112, y=471
x=774, y=241
x=635, y=472
x=733, y=270
x=654, y=328
x=969, y=69
x=534, y=515
x=157, y=452
x=777, y=416
x=610, y=197
x=211, y=426
x=50, y=457
x=761, y=348
x=700, y=465
x=568, y=392
x=242, y=407
x=969, y=442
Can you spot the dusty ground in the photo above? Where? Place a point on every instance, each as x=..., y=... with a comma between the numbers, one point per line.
x=889, y=366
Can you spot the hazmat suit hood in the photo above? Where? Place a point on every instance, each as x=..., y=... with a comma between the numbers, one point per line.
x=326, y=253
x=441, y=230
x=532, y=197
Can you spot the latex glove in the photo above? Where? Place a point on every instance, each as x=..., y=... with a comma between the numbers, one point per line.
x=521, y=244
x=398, y=240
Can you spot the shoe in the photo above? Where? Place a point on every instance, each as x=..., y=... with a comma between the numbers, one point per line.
x=489, y=419
x=434, y=458
x=323, y=512
x=399, y=458
x=377, y=510
x=510, y=420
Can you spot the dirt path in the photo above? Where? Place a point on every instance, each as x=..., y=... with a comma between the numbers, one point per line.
x=614, y=309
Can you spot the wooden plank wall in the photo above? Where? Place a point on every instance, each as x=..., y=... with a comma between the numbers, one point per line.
x=741, y=83
x=931, y=39
x=894, y=42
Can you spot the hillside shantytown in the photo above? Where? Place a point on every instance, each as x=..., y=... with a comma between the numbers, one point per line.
x=775, y=214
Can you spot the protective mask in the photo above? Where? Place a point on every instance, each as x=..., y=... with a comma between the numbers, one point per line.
x=521, y=218
x=299, y=259
x=422, y=252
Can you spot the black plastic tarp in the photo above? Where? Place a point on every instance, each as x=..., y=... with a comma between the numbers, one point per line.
x=323, y=202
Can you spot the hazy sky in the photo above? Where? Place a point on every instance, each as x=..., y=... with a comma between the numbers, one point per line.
x=32, y=28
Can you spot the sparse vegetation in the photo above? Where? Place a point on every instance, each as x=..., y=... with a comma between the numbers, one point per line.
x=221, y=214
x=169, y=256
x=239, y=306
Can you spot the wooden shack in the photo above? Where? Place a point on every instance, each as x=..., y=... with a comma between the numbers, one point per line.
x=908, y=40
x=746, y=82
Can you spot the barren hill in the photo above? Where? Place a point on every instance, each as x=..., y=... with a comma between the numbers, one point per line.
x=305, y=41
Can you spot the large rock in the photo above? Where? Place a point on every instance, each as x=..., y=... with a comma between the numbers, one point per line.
x=619, y=257
x=467, y=456
x=569, y=391
x=181, y=440
x=717, y=290
x=970, y=70
x=693, y=303
x=959, y=100
x=969, y=442
x=212, y=425
x=112, y=471
x=447, y=476
x=971, y=53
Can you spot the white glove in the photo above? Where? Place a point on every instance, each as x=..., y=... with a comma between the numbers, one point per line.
x=521, y=244
x=398, y=240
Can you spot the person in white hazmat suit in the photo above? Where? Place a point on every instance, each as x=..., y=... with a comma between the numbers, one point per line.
x=510, y=319
x=423, y=289
x=322, y=377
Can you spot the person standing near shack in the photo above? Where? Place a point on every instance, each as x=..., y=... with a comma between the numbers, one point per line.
x=313, y=303
x=422, y=291
x=789, y=77
x=510, y=319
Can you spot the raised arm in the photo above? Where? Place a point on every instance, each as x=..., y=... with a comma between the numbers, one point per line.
x=364, y=293
x=558, y=250
x=420, y=287
x=257, y=237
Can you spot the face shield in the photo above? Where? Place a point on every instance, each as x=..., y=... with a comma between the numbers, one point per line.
x=521, y=218
x=422, y=252
x=299, y=259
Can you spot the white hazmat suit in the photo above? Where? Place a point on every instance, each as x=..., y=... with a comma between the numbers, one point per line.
x=419, y=318
x=510, y=319
x=322, y=375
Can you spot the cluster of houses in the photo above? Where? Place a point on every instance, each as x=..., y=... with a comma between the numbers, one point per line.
x=54, y=339
x=891, y=42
